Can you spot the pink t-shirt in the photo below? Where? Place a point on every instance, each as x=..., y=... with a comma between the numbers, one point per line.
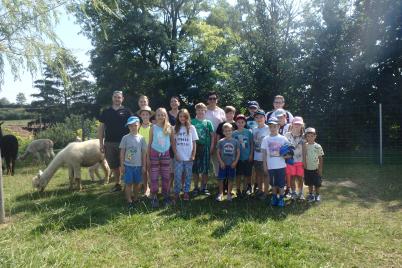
x=216, y=116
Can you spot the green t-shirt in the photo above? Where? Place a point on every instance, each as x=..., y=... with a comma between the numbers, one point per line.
x=204, y=129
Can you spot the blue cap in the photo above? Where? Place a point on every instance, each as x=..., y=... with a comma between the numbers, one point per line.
x=273, y=121
x=253, y=104
x=132, y=120
x=259, y=112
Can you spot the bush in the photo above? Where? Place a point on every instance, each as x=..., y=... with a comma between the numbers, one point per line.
x=15, y=114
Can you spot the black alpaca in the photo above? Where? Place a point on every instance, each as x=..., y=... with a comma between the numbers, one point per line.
x=9, y=150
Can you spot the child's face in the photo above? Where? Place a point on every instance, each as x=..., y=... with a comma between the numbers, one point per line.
x=278, y=104
x=252, y=110
x=143, y=102
x=227, y=131
x=273, y=128
x=145, y=116
x=296, y=129
x=282, y=120
x=160, y=117
x=241, y=123
x=260, y=119
x=174, y=103
x=134, y=127
x=310, y=137
x=183, y=118
x=200, y=113
x=230, y=116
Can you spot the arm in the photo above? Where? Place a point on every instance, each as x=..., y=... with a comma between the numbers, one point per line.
x=144, y=159
x=173, y=143
x=194, y=150
x=320, y=165
x=213, y=142
x=221, y=163
x=251, y=157
x=101, y=134
x=149, y=146
x=264, y=160
x=122, y=157
x=304, y=152
x=234, y=164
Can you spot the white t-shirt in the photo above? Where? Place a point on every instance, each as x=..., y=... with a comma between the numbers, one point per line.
x=272, y=145
x=216, y=116
x=184, y=142
x=258, y=136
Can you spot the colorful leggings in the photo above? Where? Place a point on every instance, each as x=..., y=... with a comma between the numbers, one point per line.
x=160, y=166
x=182, y=167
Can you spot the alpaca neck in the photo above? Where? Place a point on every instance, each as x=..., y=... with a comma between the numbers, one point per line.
x=56, y=163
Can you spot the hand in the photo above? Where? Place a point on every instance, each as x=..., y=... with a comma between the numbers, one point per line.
x=148, y=162
x=192, y=158
x=250, y=159
x=233, y=165
x=177, y=158
x=212, y=151
x=304, y=165
x=320, y=173
x=122, y=169
x=265, y=169
x=222, y=164
x=144, y=170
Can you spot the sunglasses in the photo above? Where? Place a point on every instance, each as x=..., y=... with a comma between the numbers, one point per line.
x=212, y=98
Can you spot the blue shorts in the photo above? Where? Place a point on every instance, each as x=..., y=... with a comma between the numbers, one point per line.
x=277, y=177
x=132, y=175
x=227, y=173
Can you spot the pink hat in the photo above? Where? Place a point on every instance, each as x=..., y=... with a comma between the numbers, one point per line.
x=298, y=120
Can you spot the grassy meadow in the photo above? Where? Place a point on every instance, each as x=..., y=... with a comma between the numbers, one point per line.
x=358, y=224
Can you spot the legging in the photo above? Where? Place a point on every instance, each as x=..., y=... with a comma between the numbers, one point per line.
x=160, y=166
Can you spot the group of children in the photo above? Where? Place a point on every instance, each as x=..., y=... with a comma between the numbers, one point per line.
x=254, y=152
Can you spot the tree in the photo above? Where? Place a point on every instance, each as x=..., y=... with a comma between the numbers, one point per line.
x=20, y=99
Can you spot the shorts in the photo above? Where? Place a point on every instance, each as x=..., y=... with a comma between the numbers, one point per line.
x=277, y=177
x=244, y=168
x=201, y=161
x=296, y=169
x=311, y=178
x=132, y=175
x=227, y=173
x=112, y=154
x=258, y=167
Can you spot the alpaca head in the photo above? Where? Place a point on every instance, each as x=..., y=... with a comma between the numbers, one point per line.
x=38, y=182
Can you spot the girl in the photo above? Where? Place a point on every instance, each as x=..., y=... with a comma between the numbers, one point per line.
x=174, y=112
x=295, y=172
x=184, y=147
x=143, y=101
x=160, y=138
x=145, y=114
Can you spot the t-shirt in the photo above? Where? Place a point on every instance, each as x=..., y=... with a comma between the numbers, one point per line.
x=297, y=142
x=115, y=121
x=134, y=145
x=289, y=116
x=216, y=116
x=284, y=129
x=172, y=119
x=272, y=145
x=258, y=135
x=219, y=130
x=313, y=151
x=251, y=122
x=144, y=131
x=228, y=150
x=184, y=142
x=160, y=140
x=245, y=138
x=204, y=129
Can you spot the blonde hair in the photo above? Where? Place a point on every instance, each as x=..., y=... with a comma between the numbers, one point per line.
x=143, y=97
x=187, y=124
x=200, y=106
x=229, y=109
x=167, y=128
x=227, y=125
x=301, y=129
x=280, y=97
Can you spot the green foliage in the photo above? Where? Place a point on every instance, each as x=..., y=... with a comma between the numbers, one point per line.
x=15, y=114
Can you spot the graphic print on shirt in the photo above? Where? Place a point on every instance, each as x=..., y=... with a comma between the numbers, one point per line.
x=228, y=149
x=257, y=142
x=243, y=140
x=274, y=148
x=130, y=153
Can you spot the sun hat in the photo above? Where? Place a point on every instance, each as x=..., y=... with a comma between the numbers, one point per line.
x=280, y=112
x=145, y=108
x=259, y=112
x=273, y=121
x=298, y=120
x=241, y=116
x=254, y=104
x=132, y=120
x=310, y=130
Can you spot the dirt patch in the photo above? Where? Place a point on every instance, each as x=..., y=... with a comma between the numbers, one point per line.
x=345, y=183
x=19, y=131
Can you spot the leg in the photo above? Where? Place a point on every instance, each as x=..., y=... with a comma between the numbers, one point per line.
x=106, y=170
x=71, y=177
x=165, y=174
x=137, y=187
x=77, y=176
x=220, y=186
x=230, y=186
x=154, y=174
x=179, y=168
x=187, y=174
x=127, y=191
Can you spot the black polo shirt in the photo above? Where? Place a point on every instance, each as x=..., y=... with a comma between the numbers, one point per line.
x=115, y=121
x=219, y=129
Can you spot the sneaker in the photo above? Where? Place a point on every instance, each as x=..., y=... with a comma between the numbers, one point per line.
x=116, y=188
x=249, y=190
x=274, y=200
x=300, y=196
x=256, y=189
x=130, y=205
x=167, y=201
x=310, y=198
x=186, y=197
x=258, y=193
x=195, y=191
x=229, y=197
x=317, y=198
x=281, y=202
x=154, y=202
x=293, y=196
x=205, y=192
x=239, y=194
x=262, y=196
x=219, y=198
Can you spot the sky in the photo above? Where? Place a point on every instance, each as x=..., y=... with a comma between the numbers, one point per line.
x=68, y=32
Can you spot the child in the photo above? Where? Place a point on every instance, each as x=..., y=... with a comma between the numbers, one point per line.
x=205, y=145
x=259, y=133
x=295, y=172
x=184, y=149
x=313, y=162
x=160, y=138
x=244, y=166
x=143, y=101
x=274, y=163
x=133, y=157
x=145, y=114
x=228, y=155
x=280, y=114
x=279, y=103
x=252, y=107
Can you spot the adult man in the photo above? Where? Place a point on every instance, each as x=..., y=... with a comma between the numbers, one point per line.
x=110, y=132
x=279, y=103
x=216, y=115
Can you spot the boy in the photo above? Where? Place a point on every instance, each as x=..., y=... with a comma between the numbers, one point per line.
x=252, y=107
x=274, y=163
x=279, y=103
x=205, y=145
x=228, y=155
x=313, y=163
x=259, y=133
x=133, y=158
x=244, y=166
x=280, y=114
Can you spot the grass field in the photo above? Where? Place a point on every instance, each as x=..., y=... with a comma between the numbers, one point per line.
x=358, y=224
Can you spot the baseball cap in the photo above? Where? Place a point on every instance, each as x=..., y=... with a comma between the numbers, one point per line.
x=310, y=130
x=132, y=120
x=273, y=121
x=254, y=104
x=145, y=108
x=298, y=120
x=259, y=112
x=241, y=116
x=280, y=112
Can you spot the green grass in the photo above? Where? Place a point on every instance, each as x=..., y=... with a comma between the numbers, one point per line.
x=358, y=224
x=21, y=122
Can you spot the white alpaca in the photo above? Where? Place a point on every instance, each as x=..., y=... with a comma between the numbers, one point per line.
x=94, y=171
x=39, y=147
x=75, y=155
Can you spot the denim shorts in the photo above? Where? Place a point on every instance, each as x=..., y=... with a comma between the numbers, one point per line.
x=277, y=177
x=227, y=173
x=132, y=175
x=244, y=167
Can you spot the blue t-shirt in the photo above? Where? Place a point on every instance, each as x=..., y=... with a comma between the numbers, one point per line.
x=160, y=140
x=245, y=138
x=228, y=150
x=251, y=123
